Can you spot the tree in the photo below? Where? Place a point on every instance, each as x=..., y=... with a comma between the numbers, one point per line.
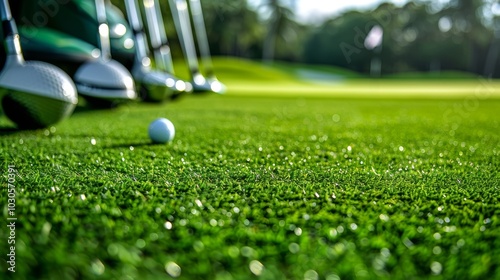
x=340, y=42
x=279, y=22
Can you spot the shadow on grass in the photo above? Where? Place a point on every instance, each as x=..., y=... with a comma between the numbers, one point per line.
x=134, y=145
x=9, y=130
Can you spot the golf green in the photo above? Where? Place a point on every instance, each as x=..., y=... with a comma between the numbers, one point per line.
x=276, y=187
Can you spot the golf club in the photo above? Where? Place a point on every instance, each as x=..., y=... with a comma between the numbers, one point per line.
x=158, y=36
x=35, y=94
x=154, y=85
x=201, y=36
x=159, y=40
x=104, y=81
x=182, y=22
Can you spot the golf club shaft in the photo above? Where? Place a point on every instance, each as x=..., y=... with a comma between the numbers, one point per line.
x=12, y=42
x=104, y=42
x=158, y=36
x=201, y=36
x=135, y=20
x=182, y=23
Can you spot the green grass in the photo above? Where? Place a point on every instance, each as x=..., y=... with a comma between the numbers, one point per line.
x=287, y=186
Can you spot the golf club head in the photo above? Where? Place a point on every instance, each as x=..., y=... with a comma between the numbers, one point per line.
x=200, y=83
x=157, y=86
x=36, y=94
x=108, y=80
x=216, y=86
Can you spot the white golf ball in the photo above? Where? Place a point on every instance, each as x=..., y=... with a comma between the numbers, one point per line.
x=161, y=130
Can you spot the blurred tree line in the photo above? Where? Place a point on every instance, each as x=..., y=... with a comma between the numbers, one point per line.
x=424, y=35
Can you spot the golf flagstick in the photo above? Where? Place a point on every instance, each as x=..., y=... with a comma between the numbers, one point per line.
x=180, y=14
x=201, y=36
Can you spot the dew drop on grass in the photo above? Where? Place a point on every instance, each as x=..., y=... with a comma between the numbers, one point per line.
x=408, y=243
x=113, y=249
x=378, y=264
x=294, y=248
x=332, y=277
x=436, y=268
x=153, y=236
x=233, y=252
x=436, y=250
x=140, y=243
x=93, y=142
x=247, y=251
x=340, y=229
x=384, y=217
x=256, y=267
x=198, y=246
x=198, y=202
x=311, y=275
x=385, y=253
x=97, y=267
x=46, y=229
x=353, y=226
x=173, y=269
x=168, y=225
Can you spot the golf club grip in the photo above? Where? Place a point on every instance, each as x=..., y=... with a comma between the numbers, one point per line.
x=201, y=35
x=183, y=27
x=103, y=30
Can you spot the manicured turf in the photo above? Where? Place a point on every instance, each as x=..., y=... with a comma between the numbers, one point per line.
x=285, y=187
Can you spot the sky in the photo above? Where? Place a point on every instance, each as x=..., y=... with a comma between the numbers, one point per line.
x=311, y=11
x=315, y=11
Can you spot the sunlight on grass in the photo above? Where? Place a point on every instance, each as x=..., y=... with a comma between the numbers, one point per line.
x=289, y=186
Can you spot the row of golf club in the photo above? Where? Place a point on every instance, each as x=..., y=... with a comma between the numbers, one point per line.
x=38, y=94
